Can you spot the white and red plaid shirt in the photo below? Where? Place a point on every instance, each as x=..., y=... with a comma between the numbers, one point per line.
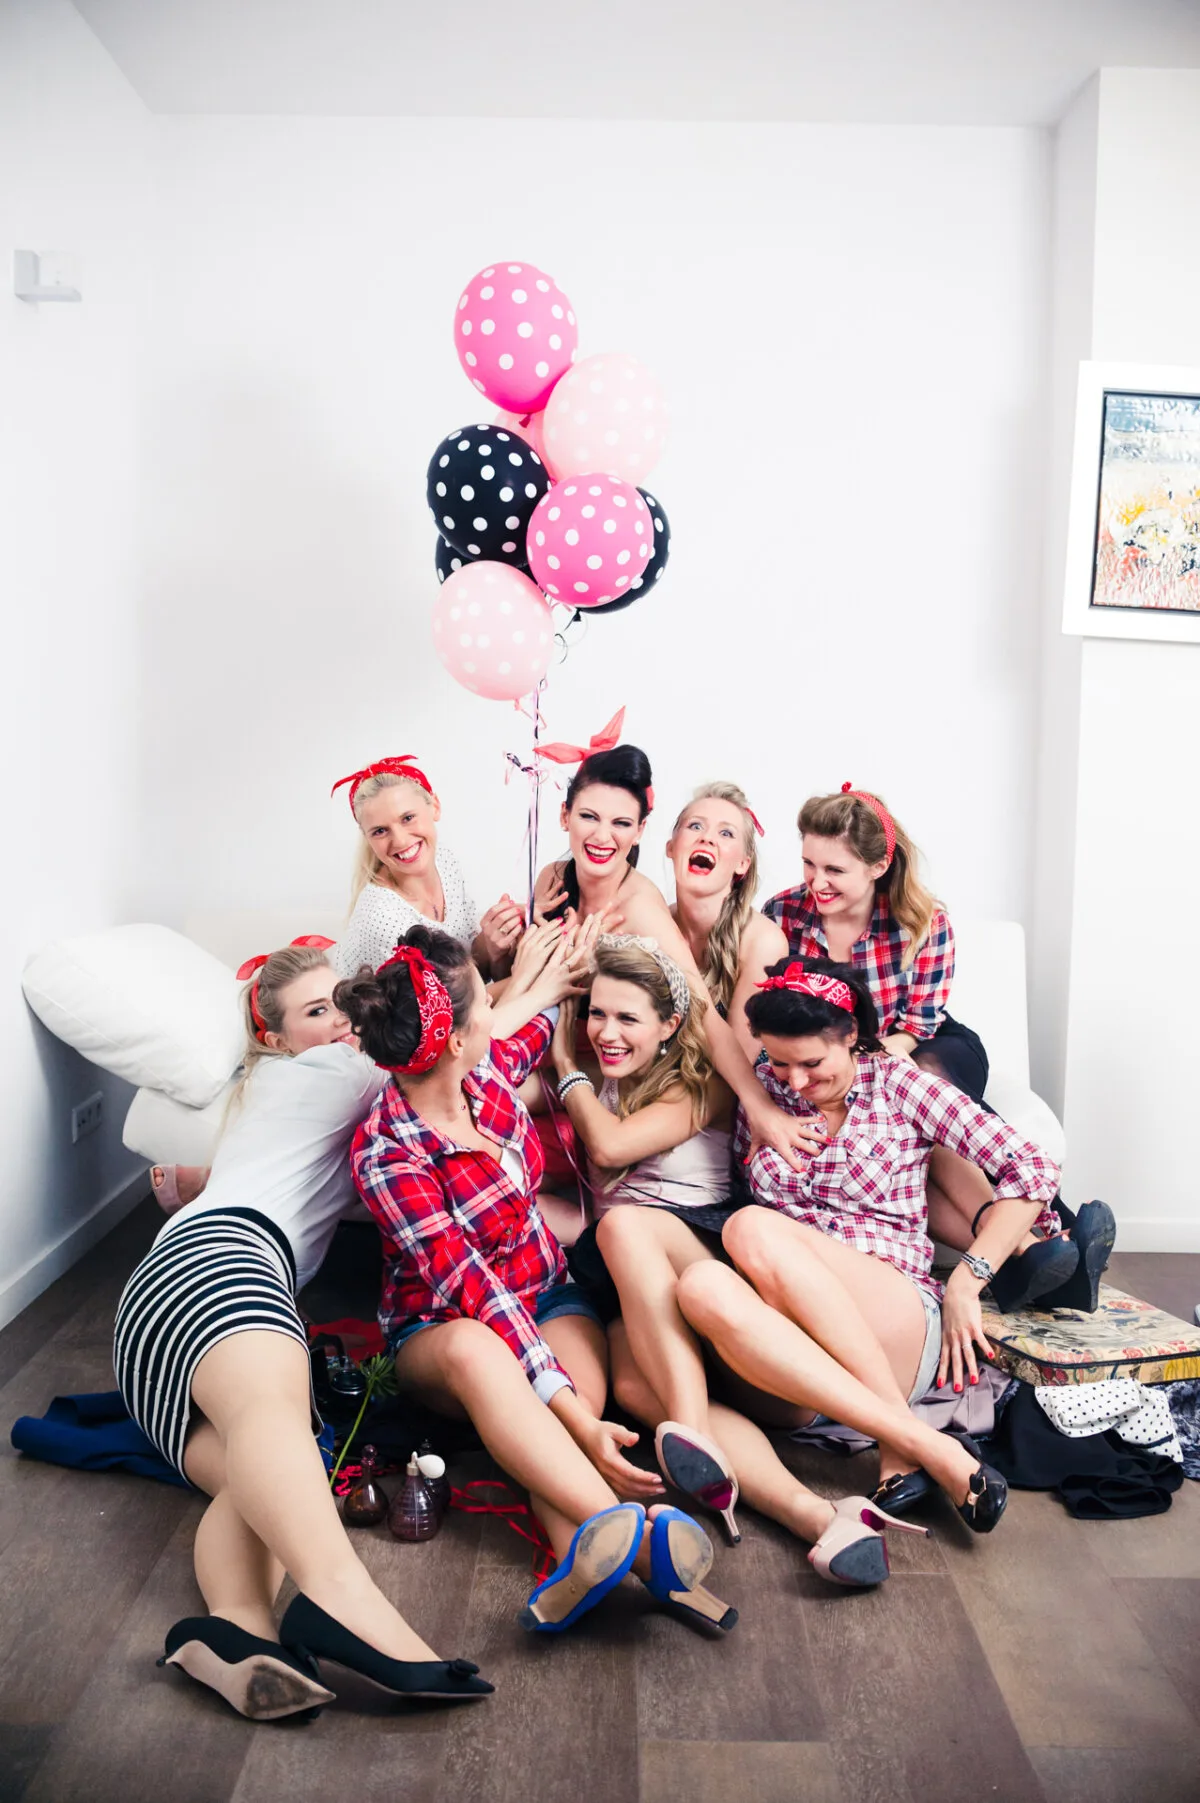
x=867, y=1188
x=460, y=1237
x=908, y=999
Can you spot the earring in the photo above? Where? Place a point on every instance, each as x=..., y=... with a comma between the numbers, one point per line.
x=662, y=1048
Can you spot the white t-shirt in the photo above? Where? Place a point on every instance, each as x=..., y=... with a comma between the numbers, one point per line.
x=381, y=917
x=286, y=1150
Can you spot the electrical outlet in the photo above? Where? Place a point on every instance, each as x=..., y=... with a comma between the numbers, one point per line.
x=86, y=1117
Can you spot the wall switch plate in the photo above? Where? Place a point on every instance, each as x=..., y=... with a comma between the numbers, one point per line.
x=86, y=1117
x=52, y=277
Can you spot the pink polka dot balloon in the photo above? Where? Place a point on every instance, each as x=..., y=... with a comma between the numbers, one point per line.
x=493, y=631
x=515, y=335
x=532, y=430
x=607, y=413
x=589, y=537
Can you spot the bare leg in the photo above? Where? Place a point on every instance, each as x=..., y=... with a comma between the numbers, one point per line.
x=776, y=1354
x=645, y=1250
x=254, y=1390
x=464, y=1363
x=765, y=1482
x=238, y=1575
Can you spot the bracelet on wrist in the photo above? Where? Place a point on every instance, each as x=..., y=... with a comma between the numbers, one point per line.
x=978, y=1267
x=570, y=1081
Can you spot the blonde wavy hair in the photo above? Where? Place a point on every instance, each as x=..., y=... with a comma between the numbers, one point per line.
x=277, y=974
x=367, y=867
x=724, y=952
x=684, y=1062
x=845, y=817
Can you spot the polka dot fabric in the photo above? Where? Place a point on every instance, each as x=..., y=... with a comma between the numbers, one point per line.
x=482, y=485
x=515, y=334
x=656, y=563
x=607, y=413
x=589, y=537
x=493, y=631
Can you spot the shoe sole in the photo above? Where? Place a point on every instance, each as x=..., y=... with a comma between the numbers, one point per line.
x=603, y=1546
x=260, y=1688
x=693, y=1468
x=862, y=1565
x=1098, y=1248
x=691, y=1555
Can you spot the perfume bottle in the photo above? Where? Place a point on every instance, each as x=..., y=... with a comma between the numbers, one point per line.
x=432, y=1467
x=414, y=1514
x=366, y=1503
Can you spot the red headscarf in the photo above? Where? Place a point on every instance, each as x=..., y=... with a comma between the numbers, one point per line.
x=877, y=808
x=401, y=766
x=252, y=965
x=821, y=988
x=434, y=1006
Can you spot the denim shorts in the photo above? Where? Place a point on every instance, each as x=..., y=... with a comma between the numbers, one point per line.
x=931, y=1352
x=566, y=1298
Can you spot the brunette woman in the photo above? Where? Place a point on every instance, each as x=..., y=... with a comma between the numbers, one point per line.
x=212, y=1360
x=863, y=903
x=477, y=1306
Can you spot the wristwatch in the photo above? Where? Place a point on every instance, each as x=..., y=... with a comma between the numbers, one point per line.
x=978, y=1267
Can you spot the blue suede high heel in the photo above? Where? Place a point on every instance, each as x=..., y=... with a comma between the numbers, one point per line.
x=603, y=1549
x=681, y=1557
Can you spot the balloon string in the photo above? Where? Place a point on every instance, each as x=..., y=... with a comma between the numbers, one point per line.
x=536, y=774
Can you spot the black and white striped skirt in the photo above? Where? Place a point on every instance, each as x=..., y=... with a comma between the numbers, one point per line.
x=223, y=1272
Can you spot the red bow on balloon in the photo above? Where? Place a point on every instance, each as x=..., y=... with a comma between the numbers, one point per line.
x=252, y=965
x=604, y=740
x=401, y=766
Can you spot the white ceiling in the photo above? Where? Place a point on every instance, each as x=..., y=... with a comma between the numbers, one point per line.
x=943, y=62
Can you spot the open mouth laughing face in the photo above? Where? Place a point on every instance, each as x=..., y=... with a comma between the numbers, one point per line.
x=400, y=826
x=708, y=847
x=603, y=825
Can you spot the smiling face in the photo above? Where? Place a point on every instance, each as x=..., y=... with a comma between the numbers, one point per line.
x=400, y=826
x=818, y=1066
x=603, y=825
x=625, y=1027
x=838, y=880
x=309, y=1017
x=708, y=848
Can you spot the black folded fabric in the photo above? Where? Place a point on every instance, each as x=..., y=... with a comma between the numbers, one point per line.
x=1098, y=1476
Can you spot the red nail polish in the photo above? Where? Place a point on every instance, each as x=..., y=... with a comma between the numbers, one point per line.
x=941, y=1383
x=958, y=1386
x=974, y=1380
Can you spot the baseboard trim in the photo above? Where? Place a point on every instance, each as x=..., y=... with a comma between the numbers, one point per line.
x=41, y=1271
x=1168, y=1234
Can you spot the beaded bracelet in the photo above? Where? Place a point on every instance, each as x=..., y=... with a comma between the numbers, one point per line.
x=569, y=1082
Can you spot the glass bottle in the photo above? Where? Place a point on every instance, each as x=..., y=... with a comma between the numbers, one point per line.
x=365, y=1503
x=432, y=1467
x=413, y=1514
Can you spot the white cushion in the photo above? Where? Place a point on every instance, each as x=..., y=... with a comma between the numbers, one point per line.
x=165, y=1132
x=144, y=1003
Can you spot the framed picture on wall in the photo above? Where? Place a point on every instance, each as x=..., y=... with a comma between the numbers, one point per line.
x=1133, y=535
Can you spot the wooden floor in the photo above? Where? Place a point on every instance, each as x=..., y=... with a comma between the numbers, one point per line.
x=1058, y=1662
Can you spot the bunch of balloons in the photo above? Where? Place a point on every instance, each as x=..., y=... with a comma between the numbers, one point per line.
x=544, y=505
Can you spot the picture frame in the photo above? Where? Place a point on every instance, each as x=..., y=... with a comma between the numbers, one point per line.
x=1133, y=531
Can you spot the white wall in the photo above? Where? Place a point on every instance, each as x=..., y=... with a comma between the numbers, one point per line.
x=73, y=176
x=850, y=323
x=1133, y=1056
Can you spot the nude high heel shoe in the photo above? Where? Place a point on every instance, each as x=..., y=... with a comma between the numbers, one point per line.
x=695, y=1465
x=852, y=1549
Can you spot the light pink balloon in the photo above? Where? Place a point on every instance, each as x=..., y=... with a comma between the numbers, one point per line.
x=493, y=631
x=607, y=413
x=515, y=335
x=528, y=426
x=589, y=537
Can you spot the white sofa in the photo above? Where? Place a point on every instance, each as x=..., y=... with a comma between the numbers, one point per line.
x=989, y=995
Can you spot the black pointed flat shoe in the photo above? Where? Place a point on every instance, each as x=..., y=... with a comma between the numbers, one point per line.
x=903, y=1491
x=309, y=1631
x=1093, y=1236
x=259, y=1678
x=987, y=1493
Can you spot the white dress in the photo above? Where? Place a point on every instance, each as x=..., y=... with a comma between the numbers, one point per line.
x=381, y=917
x=692, y=1175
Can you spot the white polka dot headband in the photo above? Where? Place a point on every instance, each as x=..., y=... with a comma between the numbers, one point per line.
x=681, y=991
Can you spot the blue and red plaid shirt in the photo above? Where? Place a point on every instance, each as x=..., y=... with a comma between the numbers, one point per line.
x=909, y=1000
x=460, y=1237
x=867, y=1187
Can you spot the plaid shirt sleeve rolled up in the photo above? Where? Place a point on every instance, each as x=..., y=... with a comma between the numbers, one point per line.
x=461, y=1238
x=867, y=1188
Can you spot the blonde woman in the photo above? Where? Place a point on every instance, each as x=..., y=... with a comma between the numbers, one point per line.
x=212, y=1360
x=403, y=878
x=714, y=852
x=658, y=1137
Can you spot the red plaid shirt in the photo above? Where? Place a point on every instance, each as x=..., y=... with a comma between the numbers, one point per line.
x=911, y=1000
x=460, y=1238
x=867, y=1188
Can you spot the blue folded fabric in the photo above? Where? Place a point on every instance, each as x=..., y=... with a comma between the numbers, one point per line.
x=93, y=1433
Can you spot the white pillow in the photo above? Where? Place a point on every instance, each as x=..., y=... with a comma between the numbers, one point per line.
x=144, y=1003
x=164, y=1132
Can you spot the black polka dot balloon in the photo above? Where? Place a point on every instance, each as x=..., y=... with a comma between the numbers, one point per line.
x=448, y=560
x=655, y=565
x=483, y=484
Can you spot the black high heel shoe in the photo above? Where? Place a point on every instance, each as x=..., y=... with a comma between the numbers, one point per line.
x=987, y=1492
x=309, y=1631
x=259, y=1678
x=1029, y=1278
x=1093, y=1235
